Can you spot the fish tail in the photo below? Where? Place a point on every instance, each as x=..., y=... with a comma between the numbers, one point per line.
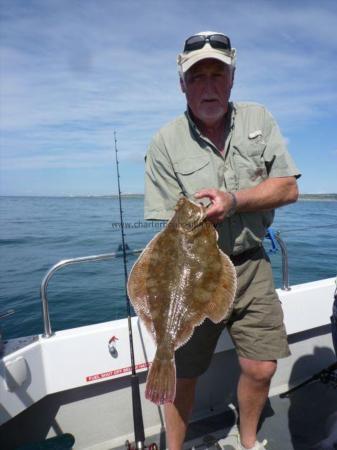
x=161, y=379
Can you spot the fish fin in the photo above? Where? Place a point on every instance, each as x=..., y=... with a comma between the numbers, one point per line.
x=186, y=332
x=220, y=306
x=137, y=288
x=161, y=380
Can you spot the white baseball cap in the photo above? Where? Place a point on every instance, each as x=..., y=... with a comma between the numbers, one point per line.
x=206, y=44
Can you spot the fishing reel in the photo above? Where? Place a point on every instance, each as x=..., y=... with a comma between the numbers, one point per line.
x=152, y=446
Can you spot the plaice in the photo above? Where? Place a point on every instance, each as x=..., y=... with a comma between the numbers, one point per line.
x=180, y=278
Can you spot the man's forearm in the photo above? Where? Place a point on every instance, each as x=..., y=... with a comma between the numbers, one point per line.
x=269, y=194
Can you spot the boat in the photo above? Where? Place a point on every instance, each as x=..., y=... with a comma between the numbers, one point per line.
x=71, y=388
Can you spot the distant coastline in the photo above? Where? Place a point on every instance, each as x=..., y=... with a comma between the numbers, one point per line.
x=321, y=197
x=308, y=197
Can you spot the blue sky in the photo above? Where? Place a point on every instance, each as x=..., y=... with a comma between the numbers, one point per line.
x=72, y=72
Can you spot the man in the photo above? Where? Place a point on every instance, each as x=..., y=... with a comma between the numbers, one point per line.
x=234, y=155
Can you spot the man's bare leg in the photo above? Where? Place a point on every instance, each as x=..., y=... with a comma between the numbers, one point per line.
x=253, y=389
x=177, y=414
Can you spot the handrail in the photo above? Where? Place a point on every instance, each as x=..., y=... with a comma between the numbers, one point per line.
x=63, y=263
x=4, y=315
x=106, y=256
x=285, y=268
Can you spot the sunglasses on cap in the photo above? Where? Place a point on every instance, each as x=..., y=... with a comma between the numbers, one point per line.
x=196, y=42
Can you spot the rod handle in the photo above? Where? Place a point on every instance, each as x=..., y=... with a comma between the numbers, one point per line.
x=137, y=412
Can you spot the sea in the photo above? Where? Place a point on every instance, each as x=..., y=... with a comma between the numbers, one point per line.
x=38, y=232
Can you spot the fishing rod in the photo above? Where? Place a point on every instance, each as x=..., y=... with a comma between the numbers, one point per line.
x=325, y=376
x=138, y=424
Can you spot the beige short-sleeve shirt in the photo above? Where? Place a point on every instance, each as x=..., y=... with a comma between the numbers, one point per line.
x=180, y=161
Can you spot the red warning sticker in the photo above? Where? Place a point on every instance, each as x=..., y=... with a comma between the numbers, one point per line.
x=112, y=373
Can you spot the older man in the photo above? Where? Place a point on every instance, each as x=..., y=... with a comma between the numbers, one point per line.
x=233, y=154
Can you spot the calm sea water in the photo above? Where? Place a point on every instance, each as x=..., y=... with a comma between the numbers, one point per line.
x=37, y=232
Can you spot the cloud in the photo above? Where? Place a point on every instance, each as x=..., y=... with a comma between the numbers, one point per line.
x=71, y=75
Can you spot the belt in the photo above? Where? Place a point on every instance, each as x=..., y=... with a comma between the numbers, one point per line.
x=245, y=256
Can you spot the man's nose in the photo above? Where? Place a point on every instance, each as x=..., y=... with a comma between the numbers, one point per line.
x=209, y=85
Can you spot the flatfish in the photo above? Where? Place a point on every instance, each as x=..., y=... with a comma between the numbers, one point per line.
x=180, y=278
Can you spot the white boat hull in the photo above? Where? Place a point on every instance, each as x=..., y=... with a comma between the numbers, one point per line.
x=77, y=380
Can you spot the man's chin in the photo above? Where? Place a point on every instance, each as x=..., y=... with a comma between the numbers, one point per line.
x=212, y=116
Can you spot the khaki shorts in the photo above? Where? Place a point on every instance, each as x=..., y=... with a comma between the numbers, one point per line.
x=255, y=325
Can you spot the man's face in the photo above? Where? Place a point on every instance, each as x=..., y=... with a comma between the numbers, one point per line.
x=207, y=87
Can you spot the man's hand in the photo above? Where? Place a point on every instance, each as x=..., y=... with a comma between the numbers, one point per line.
x=269, y=194
x=221, y=203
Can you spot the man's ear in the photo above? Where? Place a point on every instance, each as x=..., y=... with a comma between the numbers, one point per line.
x=182, y=85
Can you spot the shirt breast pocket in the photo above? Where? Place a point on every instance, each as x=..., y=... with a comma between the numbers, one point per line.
x=193, y=174
x=249, y=163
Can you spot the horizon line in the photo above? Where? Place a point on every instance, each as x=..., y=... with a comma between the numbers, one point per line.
x=126, y=195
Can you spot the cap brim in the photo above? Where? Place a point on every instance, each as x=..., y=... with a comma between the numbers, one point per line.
x=187, y=60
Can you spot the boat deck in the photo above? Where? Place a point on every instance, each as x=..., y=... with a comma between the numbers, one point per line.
x=304, y=421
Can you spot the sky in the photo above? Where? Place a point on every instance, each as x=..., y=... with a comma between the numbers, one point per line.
x=73, y=72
